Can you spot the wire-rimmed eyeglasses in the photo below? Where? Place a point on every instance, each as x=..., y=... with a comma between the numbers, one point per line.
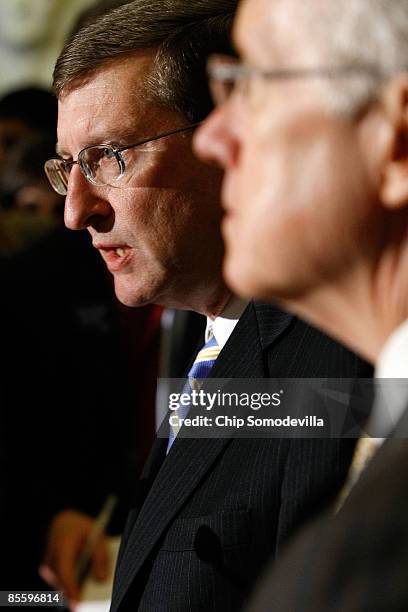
x=101, y=164
x=227, y=75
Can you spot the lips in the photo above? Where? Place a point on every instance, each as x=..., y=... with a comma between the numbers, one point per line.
x=116, y=256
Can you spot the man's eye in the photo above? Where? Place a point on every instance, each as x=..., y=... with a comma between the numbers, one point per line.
x=108, y=153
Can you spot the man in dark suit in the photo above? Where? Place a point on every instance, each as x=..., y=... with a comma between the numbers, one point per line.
x=209, y=515
x=209, y=512
x=316, y=191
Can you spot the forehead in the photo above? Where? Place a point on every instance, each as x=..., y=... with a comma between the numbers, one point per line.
x=108, y=103
x=272, y=32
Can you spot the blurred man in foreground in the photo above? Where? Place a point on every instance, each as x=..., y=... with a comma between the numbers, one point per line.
x=315, y=148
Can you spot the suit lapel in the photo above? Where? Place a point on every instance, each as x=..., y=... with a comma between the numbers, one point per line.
x=190, y=459
x=244, y=354
x=272, y=323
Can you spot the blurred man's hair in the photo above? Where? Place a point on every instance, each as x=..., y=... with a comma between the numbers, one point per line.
x=184, y=32
x=355, y=32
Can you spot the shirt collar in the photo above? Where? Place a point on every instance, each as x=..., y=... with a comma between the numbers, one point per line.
x=391, y=401
x=223, y=325
x=393, y=362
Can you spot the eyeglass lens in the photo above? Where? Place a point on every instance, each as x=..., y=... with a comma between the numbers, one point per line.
x=225, y=76
x=99, y=164
x=57, y=174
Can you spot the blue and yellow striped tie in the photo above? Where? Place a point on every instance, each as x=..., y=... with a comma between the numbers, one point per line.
x=199, y=370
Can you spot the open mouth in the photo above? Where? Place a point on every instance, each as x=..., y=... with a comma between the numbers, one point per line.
x=115, y=257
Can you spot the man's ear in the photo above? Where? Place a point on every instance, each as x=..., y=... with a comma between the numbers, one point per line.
x=394, y=183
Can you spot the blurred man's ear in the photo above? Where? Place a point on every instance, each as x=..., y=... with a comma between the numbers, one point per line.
x=394, y=185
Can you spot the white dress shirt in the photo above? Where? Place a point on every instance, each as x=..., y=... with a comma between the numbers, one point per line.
x=223, y=325
x=391, y=395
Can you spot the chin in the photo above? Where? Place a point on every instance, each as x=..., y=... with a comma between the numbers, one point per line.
x=238, y=277
x=130, y=295
x=253, y=282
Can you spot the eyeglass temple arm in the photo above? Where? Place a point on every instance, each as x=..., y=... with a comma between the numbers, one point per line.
x=146, y=140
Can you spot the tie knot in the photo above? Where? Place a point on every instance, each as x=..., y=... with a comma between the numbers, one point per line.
x=205, y=359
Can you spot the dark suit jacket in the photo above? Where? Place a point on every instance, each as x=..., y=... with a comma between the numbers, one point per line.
x=209, y=514
x=356, y=560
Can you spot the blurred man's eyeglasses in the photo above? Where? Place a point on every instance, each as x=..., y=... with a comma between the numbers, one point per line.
x=228, y=76
x=101, y=164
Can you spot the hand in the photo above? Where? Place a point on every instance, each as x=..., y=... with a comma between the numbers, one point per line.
x=67, y=536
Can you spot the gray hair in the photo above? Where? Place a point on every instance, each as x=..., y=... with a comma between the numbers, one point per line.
x=357, y=32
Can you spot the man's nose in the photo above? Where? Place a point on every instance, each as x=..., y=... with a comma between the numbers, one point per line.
x=83, y=206
x=216, y=140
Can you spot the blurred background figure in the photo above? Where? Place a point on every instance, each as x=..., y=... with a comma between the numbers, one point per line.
x=24, y=112
x=68, y=445
x=30, y=210
x=23, y=184
x=27, y=136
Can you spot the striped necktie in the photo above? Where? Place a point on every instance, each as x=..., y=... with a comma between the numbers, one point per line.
x=199, y=370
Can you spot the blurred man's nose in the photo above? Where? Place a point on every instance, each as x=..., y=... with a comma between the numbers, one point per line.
x=216, y=140
x=83, y=207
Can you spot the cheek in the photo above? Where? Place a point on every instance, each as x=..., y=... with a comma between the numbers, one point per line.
x=301, y=187
x=247, y=249
x=158, y=223
x=135, y=220
x=297, y=215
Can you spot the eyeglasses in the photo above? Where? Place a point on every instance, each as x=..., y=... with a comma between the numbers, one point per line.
x=228, y=76
x=102, y=164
